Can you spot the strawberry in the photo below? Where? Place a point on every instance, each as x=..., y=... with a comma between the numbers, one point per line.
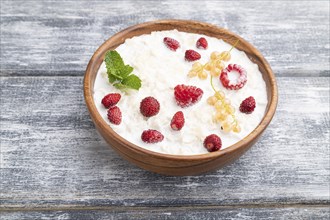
x=149, y=106
x=111, y=99
x=171, y=43
x=114, y=115
x=187, y=95
x=177, y=121
x=248, y=105
x=152, y=136
x=212, y=143
x=202, y=43
x=192, y=55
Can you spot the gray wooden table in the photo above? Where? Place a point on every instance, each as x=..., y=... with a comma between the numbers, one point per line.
x=54, y=165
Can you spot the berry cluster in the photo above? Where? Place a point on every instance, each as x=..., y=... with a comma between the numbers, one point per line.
x=110, y=101
x=198, y=70
x=215, y=65
x=149, y=107
x=190, y=55
x=224, y=112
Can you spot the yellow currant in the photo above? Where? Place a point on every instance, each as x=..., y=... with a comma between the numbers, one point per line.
x=212, y=100
x=225, y=56
x=202, y=74
x=237, y=129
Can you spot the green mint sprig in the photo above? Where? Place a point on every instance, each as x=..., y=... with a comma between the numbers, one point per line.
x=119, y=74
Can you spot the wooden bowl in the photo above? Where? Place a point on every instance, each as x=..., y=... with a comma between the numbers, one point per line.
x=172, y=164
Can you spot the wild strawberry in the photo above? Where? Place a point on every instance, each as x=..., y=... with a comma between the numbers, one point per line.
x=212, y=143
x=114, y=115
x=149, y=106
x=152, y=136
x=241, y=80
x=111, y=99
x=202, y=43
x=187, y=95
x=192, y=55
x=177, y=121
x=171, y=43
x=248, y=105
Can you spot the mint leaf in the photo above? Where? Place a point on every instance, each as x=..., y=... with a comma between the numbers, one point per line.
x=120, y=86
x=132, y=81
x=126, y=70
x=112, y=78
x=119, y=74
x=113, y=60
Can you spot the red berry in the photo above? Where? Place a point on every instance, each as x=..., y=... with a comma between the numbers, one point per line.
x=248, y=105
x=152, y=136
x=192, y=55
x=111, y=99
x=241, y=81
x=212, y=143
x=187, y=95
x=202, y=43
x=171, y=43
x=149, y=106
x=177, y=121
x=114, y=115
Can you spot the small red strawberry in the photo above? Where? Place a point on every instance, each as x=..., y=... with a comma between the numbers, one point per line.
x=114, y=115
x=111, y=99
x=248, y=105
x=192, y=55
x=149, y=106
x=171, y=43
x=212, y=143
x=202, y=43
x=177, y=121
x=187, y=95
x=152, y=136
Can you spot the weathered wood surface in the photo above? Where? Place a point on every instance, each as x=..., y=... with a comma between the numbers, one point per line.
x=179, y=213
x=54, y=165
x=52, y=155
x=59, y=37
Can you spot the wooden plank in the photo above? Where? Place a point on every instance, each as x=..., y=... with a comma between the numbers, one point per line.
x=52, y=155
x=181, y=213
x=58, y=37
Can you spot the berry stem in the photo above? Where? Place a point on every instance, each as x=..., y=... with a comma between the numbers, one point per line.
x=235, y=44
x=232, y=47
x=211, y=81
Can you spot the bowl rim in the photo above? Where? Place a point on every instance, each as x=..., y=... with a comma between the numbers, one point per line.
x=97, y=118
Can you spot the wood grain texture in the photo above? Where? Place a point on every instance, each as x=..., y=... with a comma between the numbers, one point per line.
x=51, y=154
x=55, y=166
x=50, y=38
x=183, y=214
